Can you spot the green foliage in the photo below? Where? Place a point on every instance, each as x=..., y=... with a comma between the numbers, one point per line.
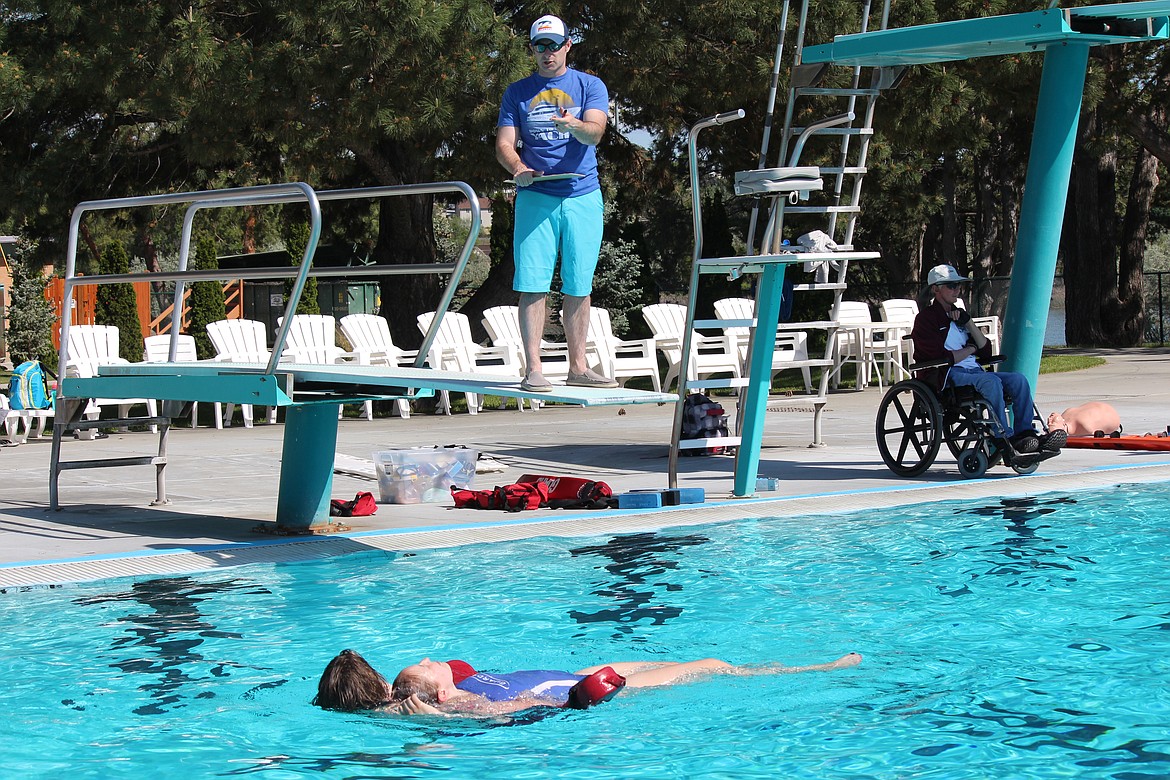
x=296, y=241
x=117, y=304
x=615, y=283
x=30, y=319
x=118, y=99
x=206, y=297
x=503, y=225
x=450, y=235
x=1055, y=364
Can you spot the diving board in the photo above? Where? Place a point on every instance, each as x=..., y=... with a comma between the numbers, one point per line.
x=312, y=395
x=306, y=383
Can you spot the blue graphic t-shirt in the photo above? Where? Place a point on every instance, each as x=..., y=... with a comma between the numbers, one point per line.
x=540, y=683
x=529, y=105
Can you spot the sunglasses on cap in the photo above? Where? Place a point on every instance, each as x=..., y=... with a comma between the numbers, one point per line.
x=541, y=48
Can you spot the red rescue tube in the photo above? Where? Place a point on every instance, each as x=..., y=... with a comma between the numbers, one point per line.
x=600, y=686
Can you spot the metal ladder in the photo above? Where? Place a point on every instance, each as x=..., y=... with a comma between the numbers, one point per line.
x=790, y=190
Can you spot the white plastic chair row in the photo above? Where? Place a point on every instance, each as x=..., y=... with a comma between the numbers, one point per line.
x=90, y=348
x=789, y=347
x=454, y=349
x=709, y=354
x=20, y=424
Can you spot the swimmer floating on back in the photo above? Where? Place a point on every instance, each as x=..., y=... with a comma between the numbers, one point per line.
x=454, y=687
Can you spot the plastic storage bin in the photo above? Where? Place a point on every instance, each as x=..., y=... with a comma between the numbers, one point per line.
x=423, y=475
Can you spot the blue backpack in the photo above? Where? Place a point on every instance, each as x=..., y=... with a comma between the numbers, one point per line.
x=26, y=389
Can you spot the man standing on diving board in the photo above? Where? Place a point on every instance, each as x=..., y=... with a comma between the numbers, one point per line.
x=550, y=124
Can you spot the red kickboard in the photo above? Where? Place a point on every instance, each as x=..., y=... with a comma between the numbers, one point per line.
x=1119, y=443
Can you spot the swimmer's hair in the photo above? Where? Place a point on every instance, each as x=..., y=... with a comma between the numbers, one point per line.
x=407, y=684
x=350, y=684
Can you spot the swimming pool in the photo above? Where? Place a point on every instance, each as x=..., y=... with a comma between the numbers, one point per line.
x=1018, y=638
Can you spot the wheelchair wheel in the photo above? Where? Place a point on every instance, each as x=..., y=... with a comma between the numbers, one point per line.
x=972, y=463
x=1024, y=469
x=909, y=428
x=963, y=430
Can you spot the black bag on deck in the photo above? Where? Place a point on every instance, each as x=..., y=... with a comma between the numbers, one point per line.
x=703, y=419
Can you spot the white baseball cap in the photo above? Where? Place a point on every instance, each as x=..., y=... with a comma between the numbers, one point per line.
x=941, y=274
x=548, y=28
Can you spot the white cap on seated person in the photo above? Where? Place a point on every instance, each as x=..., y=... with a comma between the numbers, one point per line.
x=941, y=274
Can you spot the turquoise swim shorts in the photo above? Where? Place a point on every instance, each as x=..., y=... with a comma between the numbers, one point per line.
x=547, y=225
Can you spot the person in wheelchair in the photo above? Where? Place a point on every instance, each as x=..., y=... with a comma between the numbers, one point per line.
x=944, y=331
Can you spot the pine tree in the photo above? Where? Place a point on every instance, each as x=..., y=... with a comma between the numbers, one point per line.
x=117, y=305
x=206, y=297
x=31, y=319
x=296, y=240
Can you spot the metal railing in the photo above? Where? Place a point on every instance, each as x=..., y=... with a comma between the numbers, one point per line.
x=269, y=195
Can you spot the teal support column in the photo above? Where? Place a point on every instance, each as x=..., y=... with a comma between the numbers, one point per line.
x=306, y=469
x=1042, y=213
x=755, y=405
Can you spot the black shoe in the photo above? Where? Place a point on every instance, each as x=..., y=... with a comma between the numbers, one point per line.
x=1026, y=442
x=1054, y=441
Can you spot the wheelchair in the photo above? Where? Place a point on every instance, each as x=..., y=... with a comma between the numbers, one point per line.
x=914, y=420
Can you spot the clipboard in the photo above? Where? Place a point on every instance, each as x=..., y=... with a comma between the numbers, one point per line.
x=553, y=177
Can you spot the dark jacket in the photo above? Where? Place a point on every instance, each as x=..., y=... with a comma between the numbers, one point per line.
x=929, y=336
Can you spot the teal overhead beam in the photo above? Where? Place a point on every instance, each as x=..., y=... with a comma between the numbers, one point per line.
x=998, y=35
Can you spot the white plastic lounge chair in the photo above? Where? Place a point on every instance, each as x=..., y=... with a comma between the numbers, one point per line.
x=503, y=326
x=618, y=358
x=240, y=341
x=790, y=346
x=864, y=342
x=709, y=354
x=455, y=350
x=312, y=338
x=369, y=337
x=90, y=348
x=157, y=349
x=901, y=312
x=18, y=423
x=989, y=326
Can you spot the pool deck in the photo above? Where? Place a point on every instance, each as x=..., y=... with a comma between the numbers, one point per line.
x=223, y=484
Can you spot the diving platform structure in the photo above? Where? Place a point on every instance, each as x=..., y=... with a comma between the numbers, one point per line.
x=311, y=393
x=1063, y=35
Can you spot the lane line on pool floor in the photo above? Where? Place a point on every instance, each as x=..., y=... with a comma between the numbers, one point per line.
x=595, y=523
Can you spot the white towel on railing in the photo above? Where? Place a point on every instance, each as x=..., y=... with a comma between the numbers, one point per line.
x=819, y=241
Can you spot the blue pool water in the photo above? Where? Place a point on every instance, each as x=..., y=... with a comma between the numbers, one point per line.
x=1022, y=638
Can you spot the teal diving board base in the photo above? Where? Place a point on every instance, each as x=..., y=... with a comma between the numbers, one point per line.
x=312, y=395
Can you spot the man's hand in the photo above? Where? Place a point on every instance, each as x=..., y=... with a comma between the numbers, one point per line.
x=413, y=706
x=564, y=121
x=525, y=177
x=960, y=316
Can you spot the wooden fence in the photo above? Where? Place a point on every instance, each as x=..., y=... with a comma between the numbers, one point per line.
x=84, y=306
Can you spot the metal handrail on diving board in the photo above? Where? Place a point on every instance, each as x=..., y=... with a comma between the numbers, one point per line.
x=270, y=195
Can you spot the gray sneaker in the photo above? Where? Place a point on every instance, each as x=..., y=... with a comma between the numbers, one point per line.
x=590, y=378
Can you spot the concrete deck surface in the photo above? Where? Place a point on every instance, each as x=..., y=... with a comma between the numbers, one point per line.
x=223, y=484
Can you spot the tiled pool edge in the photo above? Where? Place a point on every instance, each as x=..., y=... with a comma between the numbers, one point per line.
x=39, y=574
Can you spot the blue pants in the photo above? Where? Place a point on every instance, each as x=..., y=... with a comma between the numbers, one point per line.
x=993, y=386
